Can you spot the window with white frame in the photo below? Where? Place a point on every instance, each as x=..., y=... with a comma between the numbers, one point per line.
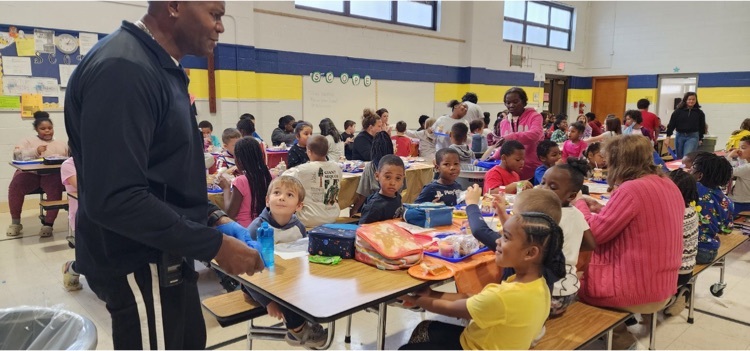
x=422, y=14
x=538, y=23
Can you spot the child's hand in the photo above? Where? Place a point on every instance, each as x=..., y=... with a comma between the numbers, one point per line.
x=408, y=299
x=274, y=310
x=498, y=203
x=526, y=185
x=41, y=149
x=231, y=170
x=594, y=206
x=733, y=153
x=224, y=182
x=473, y=195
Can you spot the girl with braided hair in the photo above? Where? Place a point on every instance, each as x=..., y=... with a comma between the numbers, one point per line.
x=531, y=244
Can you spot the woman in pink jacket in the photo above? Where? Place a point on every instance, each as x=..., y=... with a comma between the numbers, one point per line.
x=523, y=124
x=638, y=233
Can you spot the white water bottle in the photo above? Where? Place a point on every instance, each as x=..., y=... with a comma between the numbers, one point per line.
x=281, y=166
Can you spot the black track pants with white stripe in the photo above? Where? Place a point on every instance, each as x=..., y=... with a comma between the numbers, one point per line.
x=146, y=316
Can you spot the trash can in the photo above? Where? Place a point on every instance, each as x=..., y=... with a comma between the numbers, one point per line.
x=44, y=328
x=709, y=143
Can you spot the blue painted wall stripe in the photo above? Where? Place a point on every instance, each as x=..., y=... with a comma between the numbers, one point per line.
x=643, y=81
x=581, y=82
x=726, y=79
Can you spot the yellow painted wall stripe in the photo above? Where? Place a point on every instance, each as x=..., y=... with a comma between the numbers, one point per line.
x=247, y=85
x=579, y=95
x=734, y=95
x=633, y=95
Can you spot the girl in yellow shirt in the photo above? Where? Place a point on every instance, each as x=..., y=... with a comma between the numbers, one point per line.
x=503, y=316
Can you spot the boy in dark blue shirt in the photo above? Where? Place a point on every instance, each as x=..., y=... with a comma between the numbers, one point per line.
x=386, y=203
x=549, y=153
x=444, y=189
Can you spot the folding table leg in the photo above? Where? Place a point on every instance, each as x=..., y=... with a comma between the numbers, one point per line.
x=610, y=334
x=381, y=325
x=691, y=309
x=652, y=343
x=348, y=336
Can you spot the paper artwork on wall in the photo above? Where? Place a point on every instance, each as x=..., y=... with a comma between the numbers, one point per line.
x=65, y=72
x=5, y=40
x=18, y=86
x=25, y=46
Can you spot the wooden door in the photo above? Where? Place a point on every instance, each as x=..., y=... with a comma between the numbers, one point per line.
x=608, y=96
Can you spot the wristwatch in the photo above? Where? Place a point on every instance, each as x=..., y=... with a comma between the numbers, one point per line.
x=215, y=216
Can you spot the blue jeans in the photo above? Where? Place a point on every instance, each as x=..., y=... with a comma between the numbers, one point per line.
x=685, y=143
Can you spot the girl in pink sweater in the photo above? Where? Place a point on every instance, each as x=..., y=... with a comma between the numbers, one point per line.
x=638, y=234
x=41, y=145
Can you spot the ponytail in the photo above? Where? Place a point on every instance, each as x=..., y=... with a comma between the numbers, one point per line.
x=542, y=230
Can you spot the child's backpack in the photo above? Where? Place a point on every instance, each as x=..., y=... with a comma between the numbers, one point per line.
x=386, y=246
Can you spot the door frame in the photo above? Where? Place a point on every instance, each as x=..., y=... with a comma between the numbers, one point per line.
x=593, y=96
x=565, y=88
x=672, y=75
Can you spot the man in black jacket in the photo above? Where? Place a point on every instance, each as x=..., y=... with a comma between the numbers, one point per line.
x=144, y=214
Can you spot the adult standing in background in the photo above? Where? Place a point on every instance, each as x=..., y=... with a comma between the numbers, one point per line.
x=596, y=126
x=689, y=123
x=284, y=133
x=525, y=125
x=143, y=208
x=473, y=111
x=362, y=145
x=444, y=124
x=650, y=120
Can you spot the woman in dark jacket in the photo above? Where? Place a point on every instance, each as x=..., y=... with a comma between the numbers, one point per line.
x=362, y=145
x=285, y=132
x=689, y=123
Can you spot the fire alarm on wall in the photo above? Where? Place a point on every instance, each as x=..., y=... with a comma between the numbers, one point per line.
x=560, y=66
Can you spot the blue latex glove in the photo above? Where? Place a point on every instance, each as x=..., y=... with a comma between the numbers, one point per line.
x=239, y=232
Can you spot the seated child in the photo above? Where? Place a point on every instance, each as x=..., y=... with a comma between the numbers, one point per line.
x=70, y=181
x=209, y=140
x=594, y=156
x=478, y=140
x=368, y=183
x=298, y=153
x=549, y=153
x=566, y=181
x=403, y=142
x=506, y=173
x=574, y=146
x=686, y=183
x=687, y=160
x=444, y=189
x=459, y=135
x=711, y=172
x=322, y=181
x=229, y=137
x=737, y=136
x=286, y=196
x=507, y=315
x=426, y=138
x=386, y=203
x=244, y=197
x=740, y=193
x=561, y=129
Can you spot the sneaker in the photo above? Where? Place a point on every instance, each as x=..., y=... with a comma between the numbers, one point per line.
x=679, y=304
x=70, y=279
x=14, y=230
x=311, y=335
x=45, y=231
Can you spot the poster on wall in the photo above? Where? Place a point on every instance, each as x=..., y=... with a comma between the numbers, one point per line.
x=44, y=41
x=18, y=86
x=65, y=72
x=86, y=42
x=16, y=66
x=5, y=40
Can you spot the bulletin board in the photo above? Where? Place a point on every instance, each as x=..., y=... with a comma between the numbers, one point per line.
x=39, y=61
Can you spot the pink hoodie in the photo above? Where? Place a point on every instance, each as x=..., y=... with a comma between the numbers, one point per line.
x=529, y=132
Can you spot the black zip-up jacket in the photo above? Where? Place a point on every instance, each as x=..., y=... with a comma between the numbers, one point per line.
x=139, y=158
x=362, y=147
x=686, y=120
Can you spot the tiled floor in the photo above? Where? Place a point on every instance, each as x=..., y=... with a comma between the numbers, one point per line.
x=30, y=275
